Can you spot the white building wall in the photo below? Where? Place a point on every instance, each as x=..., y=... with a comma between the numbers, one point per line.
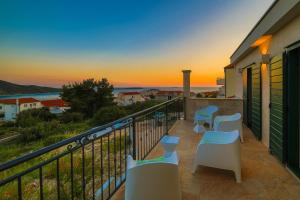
x=26, y=106
x=129, y=99
x=265, y=82
x=230, y=82
x=10, y=112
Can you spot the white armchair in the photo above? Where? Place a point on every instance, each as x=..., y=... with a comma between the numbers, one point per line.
x=153, y=179
x=227, y=123
x=203, y=115
x=220, y=150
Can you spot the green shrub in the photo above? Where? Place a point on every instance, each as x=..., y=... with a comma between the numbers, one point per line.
x=8, y=124
x=68, y=117
x=31, y=134
x=107, y=114
x=139, y=106
x=40, y=130
x=199, y=95
x=32, y=117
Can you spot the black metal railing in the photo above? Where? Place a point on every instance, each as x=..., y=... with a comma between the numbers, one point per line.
x=91, y=165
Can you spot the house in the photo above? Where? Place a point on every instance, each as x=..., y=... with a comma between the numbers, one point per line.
x=264, y=72
x=127, y=98
x=11, y=107
x=150, y=93
x=56, y=106
x=263, y=76
x=165, y=95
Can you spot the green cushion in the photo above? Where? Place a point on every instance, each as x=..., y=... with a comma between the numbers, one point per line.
x=159, y=159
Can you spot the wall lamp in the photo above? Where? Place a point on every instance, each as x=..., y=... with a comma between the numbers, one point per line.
x=265, y=58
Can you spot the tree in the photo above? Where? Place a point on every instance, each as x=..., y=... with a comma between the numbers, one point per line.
x=108, y=114
x=88, y=96
x=139, y=106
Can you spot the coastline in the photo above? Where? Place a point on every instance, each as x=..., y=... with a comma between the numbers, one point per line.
x=55, y=95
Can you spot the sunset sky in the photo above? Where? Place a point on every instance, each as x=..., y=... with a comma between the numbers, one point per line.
x=132, y=43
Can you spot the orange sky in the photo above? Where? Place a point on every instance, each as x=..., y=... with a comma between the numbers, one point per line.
x=205, y=50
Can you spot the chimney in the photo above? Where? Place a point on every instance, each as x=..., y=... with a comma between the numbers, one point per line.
x=186, y=83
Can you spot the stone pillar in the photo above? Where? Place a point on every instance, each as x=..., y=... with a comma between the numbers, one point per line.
x=186, y=83
x=186, y=89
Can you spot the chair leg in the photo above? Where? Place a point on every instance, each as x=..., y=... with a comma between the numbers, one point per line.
x=242, y=139
x=238, y=176
x=195, y=166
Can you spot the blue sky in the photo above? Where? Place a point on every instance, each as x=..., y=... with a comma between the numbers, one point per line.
x=102, y=25
x=114, y=34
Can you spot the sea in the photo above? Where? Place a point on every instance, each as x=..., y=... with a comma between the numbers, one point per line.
x=56, y=95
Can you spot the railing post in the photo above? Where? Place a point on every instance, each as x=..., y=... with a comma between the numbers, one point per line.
x=166, y=111
x=134, y=139
x=184, y=108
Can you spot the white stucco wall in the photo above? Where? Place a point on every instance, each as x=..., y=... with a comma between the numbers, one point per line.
x=230, y=82
x=265, y=82
x=10, y=112
x=286, y=36
x=26, y=106
x=129, y=99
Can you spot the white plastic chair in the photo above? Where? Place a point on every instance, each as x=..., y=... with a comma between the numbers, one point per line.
x=203, y=115
x=220, y=150
x=229, y=123
x=157, y=180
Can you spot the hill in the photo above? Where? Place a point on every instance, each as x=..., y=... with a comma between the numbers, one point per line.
x=7, y=88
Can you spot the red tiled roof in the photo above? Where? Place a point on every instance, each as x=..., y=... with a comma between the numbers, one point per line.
x=54, y=103
x=21, y=101
x=130, y=93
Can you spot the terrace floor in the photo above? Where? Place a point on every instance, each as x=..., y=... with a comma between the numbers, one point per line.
x=263, y=177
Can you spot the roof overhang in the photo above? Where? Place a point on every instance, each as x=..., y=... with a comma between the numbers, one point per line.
x=230, y=66
x=278, y=15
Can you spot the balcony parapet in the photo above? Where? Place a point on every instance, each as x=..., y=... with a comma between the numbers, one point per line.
x=226, y=106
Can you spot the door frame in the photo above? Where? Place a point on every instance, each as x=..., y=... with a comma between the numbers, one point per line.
x=249, y=97
x=247, y=107
x=287, y=114
x=248, y=87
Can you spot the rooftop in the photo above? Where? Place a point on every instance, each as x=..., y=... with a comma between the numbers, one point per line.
x=54, y=103
x=263, y=177
x=164, y=92
x=130, y=93
x=277, y=16
x=21, y=100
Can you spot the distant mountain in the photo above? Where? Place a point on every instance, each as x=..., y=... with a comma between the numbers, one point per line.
x=7, y=88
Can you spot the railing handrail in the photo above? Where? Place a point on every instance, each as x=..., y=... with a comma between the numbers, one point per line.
x=44, y=150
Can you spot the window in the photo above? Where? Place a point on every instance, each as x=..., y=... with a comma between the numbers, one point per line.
x=0, y=107
x=34, y=104
x=30, y=105
x=25, y=105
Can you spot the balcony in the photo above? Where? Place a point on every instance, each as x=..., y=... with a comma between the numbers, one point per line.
x=263, y=177
x=93, y=165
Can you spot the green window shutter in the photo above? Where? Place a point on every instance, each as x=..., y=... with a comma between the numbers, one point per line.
x=256, y=101
x=276, y=110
